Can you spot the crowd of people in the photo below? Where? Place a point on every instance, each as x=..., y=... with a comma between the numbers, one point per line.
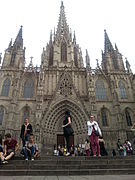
x=125, y=148
x=93, y=146
x=9, y=145
x=79, y=150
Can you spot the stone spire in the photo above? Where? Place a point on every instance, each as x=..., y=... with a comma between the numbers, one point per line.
x=19, y=40
x=15, y=53
x=107, y=43
x=62, y=28
x=10, y=43
x=116, y=48
x=128, y=66
x=74, y=38
x=87, y=59
x=50, y=38
x=111, y=58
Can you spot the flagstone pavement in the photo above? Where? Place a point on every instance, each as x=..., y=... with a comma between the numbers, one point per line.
x=93, y=177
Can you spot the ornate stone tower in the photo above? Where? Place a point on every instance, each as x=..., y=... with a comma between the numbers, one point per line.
x=112, y=59
x=12, y=67
x=62, y=49
x=15, y=54
x=63, y=84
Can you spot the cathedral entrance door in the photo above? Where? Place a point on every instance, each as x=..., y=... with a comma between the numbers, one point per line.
x=61, y=140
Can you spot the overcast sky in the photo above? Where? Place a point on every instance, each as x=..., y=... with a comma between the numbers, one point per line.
x=88, y=18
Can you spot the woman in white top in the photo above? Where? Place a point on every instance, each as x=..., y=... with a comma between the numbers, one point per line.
x=94, y=132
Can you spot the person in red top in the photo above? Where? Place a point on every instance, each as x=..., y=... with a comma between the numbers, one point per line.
x=10, y=147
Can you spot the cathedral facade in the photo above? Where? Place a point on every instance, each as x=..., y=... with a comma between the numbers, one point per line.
x=61, y=83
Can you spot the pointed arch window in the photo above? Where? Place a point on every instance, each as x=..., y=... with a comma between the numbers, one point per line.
x=5, y=88
x=75, y=57
x=122, y=90
x=128, y=117
x=26, y=113
x=28, y=91
x=100, y=90
x=115, y=63
x=63, y=51
x=1, y=114
x=13, y=58
x=51, y=56
x=104, y=117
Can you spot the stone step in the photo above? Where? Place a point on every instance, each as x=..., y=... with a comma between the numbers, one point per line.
x=73, y=162
x=69, y=166
x=78, y=157
x=30, y=172
x=53, y=167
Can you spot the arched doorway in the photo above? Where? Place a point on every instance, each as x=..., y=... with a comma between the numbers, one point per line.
x=61, y=140
x=53, y=120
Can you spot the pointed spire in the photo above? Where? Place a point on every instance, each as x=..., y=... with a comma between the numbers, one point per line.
x=128, y=66
x=62, y=28
x=97, y=62
x=108, y=45
x=102, y=53
x=116, y=48
x=51, y=37
x=62, y=5
x=54, y=31
x=70, y=34
x=87, y=59
x=19, y=40
x=10, y=43
x=74, y=38
x=31, y=63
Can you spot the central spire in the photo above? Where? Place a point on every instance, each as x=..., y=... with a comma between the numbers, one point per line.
x=62, y=28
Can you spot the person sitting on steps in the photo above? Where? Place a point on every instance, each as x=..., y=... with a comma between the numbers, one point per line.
x=10, y=147
x=2, y=158
x=31, y=149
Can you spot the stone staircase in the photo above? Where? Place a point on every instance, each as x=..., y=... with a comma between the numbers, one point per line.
x=59, y=166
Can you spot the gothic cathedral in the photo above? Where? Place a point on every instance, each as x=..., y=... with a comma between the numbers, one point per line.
x=62, y=82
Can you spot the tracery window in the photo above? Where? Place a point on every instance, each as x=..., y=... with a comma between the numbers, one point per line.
x=128, y=117
x=63, y=51
x=100, y=90
x=66, y=87
x=122, y=90
x=5, y=88
x=28, y=91
x=104, y=117
x=13, y=58
x=115, y=62
x=1, y=114
x=26, y=113
x=51, y=56
x=75, y=57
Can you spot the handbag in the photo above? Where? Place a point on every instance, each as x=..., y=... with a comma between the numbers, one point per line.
x=69, y=130
x=96, y=132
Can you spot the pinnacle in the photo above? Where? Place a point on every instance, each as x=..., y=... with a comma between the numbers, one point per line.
x=62, y=28
x=108, y=45
x=19, y=41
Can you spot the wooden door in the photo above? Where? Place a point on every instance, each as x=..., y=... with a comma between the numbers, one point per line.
x=61, y=140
